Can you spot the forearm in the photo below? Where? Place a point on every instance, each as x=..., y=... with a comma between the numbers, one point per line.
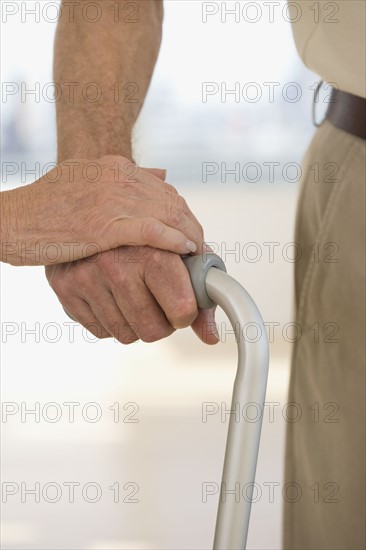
x=110, y=53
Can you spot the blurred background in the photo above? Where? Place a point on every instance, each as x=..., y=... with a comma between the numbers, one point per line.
x=129, y=470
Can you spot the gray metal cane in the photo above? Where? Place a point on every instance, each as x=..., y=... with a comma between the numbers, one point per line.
x=212, y=285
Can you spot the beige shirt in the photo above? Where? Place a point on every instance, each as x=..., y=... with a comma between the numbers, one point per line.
x=330, y=39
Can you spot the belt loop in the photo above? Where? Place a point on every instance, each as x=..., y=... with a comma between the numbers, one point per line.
x=315, y=97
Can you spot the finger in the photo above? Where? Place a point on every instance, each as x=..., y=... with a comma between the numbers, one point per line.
x=151, y=232
x=79, y=310
x=170, y=209
x=205, y=326
x=180, y=216
x=175, y=296
x=111, y=318
x=152, y=197
x=188, y=212
x=141, y=309
x=167, y=188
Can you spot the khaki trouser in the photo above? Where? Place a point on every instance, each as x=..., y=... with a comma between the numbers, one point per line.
x=325, y=451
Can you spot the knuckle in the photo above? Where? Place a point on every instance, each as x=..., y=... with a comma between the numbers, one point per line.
x=82, y=276
x=59, y=285
x=128, y=336
x=151, y=230
x=174, y=210
x=170, y=188
x=200, y=230
x=182, y=203
x=126, y=341
x=96, y=330
x=154, y=333
x=157, y=260
x=103, y=336
x=184, y=312
x=116, y=272
x=109, y=260
x=123, y=332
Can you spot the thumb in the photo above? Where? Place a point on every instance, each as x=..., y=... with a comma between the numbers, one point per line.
x=150, y=232
x=205, y=327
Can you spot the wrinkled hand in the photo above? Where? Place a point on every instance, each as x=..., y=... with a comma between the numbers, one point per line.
x=83, y=207
x=132, y=293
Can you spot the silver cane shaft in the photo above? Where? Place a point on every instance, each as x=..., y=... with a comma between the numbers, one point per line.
x=243, y=438
x=250, y=383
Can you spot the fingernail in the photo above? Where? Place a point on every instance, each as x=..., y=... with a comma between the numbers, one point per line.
x=165, y=174
x=191, y=246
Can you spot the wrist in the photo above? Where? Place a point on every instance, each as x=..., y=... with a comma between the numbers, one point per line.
x=88, y=140
x=92, y=151
x=8, y=242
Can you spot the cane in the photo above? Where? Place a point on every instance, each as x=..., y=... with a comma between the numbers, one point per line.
x=212, y=285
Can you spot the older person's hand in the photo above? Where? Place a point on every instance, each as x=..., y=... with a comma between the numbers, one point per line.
x=83, y=207
x=133, y=292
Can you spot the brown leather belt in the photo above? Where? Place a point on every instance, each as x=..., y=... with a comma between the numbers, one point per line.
x=347, y=112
